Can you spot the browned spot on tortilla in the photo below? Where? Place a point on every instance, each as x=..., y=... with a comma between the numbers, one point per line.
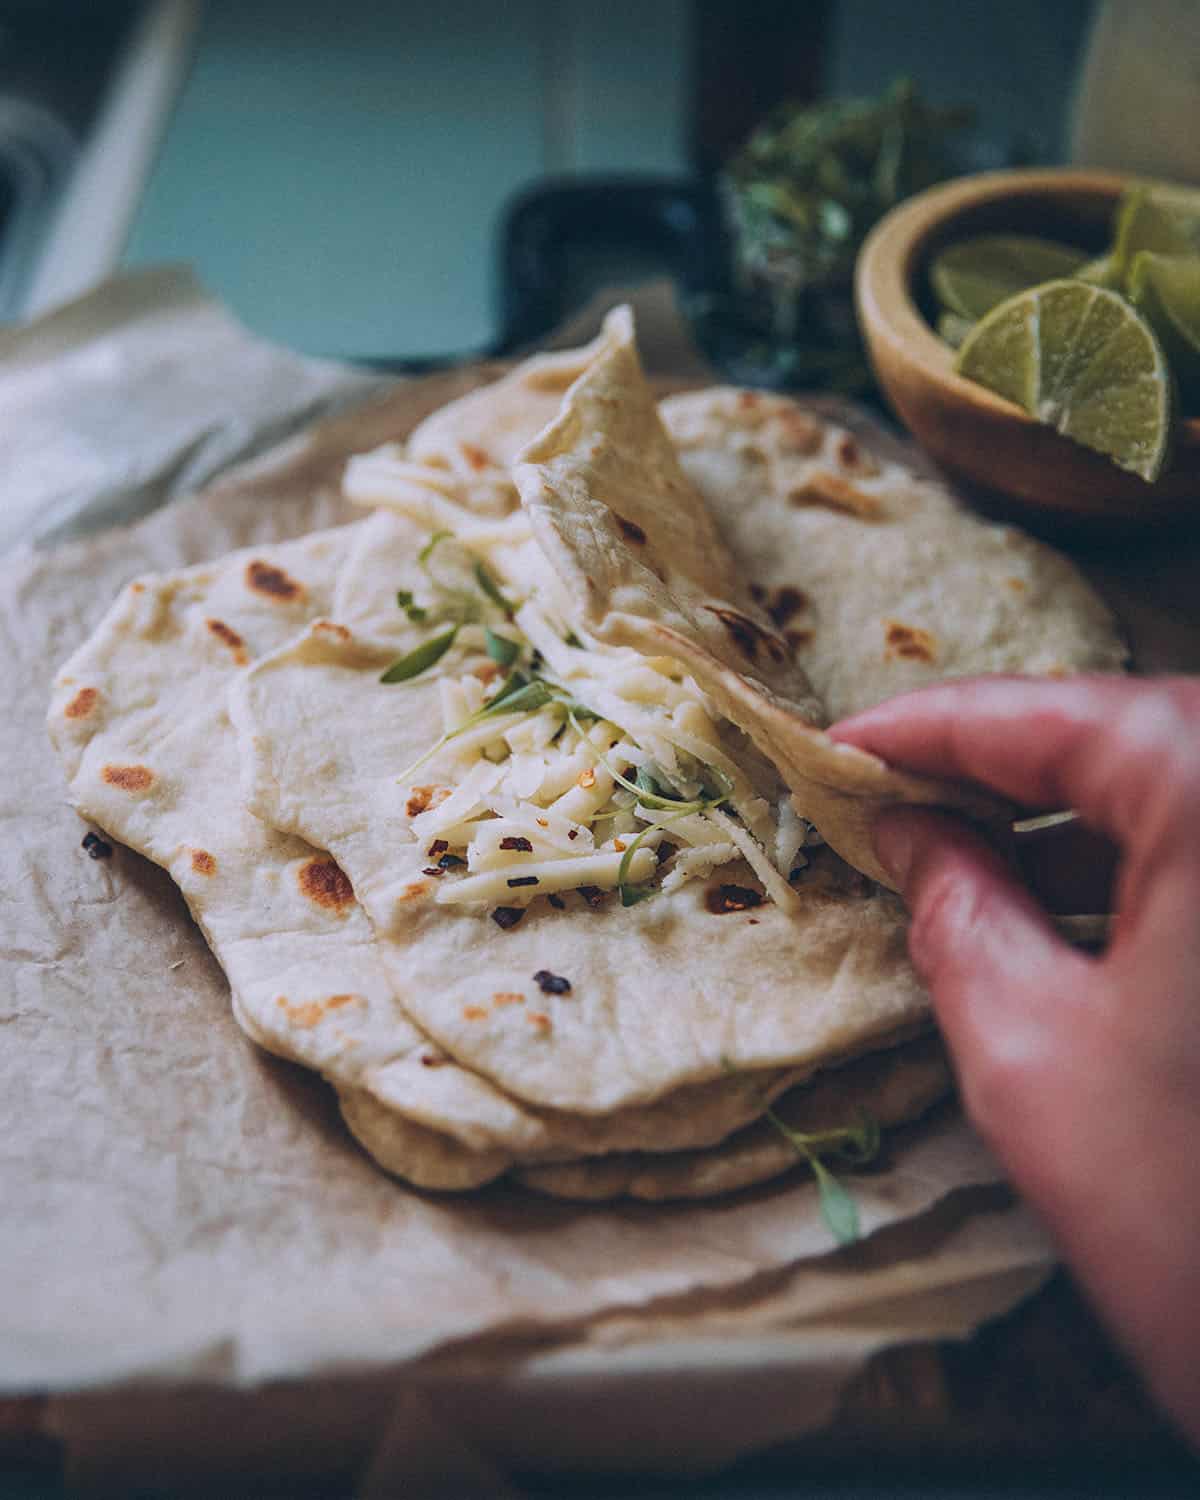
x=909, y=642
x=413, y=891
x=798, y=431
x=538, y=1020
x=203, y=863
x=306, y=1015
x=229, y=638
x=475, y=456
x=508, y=997
x=853, y=458
x=82, y=703
x=328, y=627
x=835, y=493
x=474, y=1013
x=798, y=638
x=137, y=588
x=272, y=581
x=721, y=899
x=422, y=798
x=630, y=529
x=747, y=634
x=786, y=603
x=129, y=778
x=336, y=1002
x=1056, y=672
x=1016, y=584
x=324, y=882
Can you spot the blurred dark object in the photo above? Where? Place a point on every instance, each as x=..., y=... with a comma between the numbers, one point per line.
x=747, y=57
x=563, y=239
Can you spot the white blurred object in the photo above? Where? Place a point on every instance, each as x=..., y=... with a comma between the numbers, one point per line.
x=1137, y=103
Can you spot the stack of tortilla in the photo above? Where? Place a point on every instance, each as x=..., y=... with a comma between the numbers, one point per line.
x=228, y=721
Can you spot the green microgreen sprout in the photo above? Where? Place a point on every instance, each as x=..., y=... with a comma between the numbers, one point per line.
x=500, y=648
x=492, y=589
x=415, y=612
x=855, y=1144
x=421, y=657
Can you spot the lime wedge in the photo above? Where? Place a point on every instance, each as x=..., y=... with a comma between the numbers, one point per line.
x=973, y=276
x=1082, y=360
x=1166, y=291
x=953, y=329
x=1103, y=271
x=1149, y=219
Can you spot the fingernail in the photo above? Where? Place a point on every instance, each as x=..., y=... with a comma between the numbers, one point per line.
x=893, y=837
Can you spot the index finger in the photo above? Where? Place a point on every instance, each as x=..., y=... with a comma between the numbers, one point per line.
x=1111, y=747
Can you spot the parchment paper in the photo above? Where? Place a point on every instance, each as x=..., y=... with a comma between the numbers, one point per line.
x=179, y=1208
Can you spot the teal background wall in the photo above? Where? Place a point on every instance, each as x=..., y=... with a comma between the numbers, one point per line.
x=336, y=168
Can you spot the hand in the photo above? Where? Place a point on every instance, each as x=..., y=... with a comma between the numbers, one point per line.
x=1082, y=1072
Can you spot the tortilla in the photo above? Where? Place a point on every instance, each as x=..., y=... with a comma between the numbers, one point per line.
x=139, y=718
x=807, y=509
x=892, y=1088
x=663, y=994
x=641, y=564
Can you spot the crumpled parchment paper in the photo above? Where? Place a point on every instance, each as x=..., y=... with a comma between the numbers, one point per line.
x=184, y=1218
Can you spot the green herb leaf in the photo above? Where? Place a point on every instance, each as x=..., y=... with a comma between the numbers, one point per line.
x=500, y=648
x=524, y=697
x=414, y=611
x=857, y=1144
x=421, y=657
x=838, y=1208
x=572, y=639
x=435, y=540
x=632, y=894
x=490, y=587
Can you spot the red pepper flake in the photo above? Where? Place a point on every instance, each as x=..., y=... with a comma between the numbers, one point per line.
x=429, y=1060
x=517, y=880
x=666, y=850
x=593, y=895
x=541, y=823
x=551, y=984
x=97, y=847
x=572, y=833
x=721, y=899
x=618, y=846
x=556, y=901
x=434, y=871
x=507, y=916
x=421, y=798
x=587, y=779
x=439, y=846
x=518, y=843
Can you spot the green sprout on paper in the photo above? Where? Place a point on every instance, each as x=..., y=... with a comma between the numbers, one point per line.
x=855, y=1144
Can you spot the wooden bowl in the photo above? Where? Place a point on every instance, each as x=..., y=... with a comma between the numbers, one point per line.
x=1010, y=464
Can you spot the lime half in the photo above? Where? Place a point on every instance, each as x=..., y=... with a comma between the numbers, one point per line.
x=1084, y=361
x=973, y=276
